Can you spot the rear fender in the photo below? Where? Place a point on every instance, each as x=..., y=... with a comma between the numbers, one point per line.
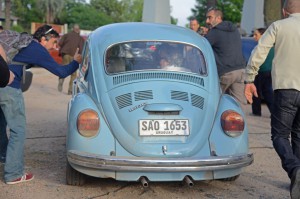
x=222, y=144
x=103, y=143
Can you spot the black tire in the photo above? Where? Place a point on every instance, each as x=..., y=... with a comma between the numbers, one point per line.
x=233, y=178
x=73, y=177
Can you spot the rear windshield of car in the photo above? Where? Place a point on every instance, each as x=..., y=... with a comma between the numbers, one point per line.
x=154, y=55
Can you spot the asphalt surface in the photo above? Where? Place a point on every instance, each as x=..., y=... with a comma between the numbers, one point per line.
x=45, y=157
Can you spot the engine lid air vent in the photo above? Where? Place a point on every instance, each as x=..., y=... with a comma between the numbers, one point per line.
x=120, y=79
x=124, y=100
x=143, y=95
x=179, y=95
x=197, y=101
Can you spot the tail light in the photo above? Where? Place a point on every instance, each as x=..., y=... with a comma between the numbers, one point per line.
x=232, y=123
x=88, y=123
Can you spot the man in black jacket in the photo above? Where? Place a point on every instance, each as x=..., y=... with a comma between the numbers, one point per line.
x=226, y=43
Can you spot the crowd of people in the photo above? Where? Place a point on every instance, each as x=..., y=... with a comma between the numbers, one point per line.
x=270, y=74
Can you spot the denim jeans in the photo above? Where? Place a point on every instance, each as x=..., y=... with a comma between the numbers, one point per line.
x=13, y=114
x=285, y=121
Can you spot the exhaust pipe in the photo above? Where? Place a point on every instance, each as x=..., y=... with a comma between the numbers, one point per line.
x=144, y=182
x=188, y=181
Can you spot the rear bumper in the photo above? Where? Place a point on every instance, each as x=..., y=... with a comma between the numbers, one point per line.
x=112, y=163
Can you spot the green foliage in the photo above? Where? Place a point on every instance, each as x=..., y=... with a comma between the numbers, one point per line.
x=83, y=14
x=50, y=8
x=133, y=10
x=120, y=11
x=232, y=10
x=17, y=28
x=174, y=21
x=88, y=15
x=27, y=12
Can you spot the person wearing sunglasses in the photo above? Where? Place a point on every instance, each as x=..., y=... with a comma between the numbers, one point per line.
x=12, y=110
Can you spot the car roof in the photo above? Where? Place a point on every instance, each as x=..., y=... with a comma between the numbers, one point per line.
x=120, y=32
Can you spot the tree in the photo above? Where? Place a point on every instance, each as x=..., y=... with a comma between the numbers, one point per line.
x=7, y=14
x=51, y=8
x=272, y=11
x=120, y=11
x=87, y=15
x=27, y=12
x=133, y=10
x=83, y=14
x=112, y=8
x=211, y=3
x=0, y=5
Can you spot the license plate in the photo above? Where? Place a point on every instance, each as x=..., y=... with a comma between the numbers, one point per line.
x=164, y=127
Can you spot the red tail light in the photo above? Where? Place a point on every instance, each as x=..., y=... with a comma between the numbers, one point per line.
x=88, y=123
x=232, y=123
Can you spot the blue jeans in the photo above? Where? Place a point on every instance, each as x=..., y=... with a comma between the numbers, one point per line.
x=12, y=114
x=285, y=121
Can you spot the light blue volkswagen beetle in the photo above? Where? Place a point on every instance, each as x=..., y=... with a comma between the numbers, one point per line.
x=147, y=106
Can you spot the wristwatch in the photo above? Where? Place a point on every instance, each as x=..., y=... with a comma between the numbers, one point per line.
x=248, y=82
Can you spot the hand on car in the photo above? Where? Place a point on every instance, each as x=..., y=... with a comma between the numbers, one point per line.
x=77, y=57
x=250, y=90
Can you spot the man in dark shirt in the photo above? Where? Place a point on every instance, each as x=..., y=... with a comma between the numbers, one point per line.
x=226, y=43
x=68, y=45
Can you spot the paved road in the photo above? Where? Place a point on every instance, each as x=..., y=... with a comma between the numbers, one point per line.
x=45, y=157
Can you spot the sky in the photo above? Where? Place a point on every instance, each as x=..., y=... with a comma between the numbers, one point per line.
x=181, y=10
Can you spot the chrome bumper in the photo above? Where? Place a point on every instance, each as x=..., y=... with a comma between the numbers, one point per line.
x=113, y=163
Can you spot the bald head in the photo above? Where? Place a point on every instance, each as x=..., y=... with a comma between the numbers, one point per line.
x=292, y=6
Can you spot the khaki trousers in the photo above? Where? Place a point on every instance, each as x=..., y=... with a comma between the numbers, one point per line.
x=66, y=60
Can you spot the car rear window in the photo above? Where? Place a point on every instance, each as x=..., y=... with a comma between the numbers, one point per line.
x=154, y=55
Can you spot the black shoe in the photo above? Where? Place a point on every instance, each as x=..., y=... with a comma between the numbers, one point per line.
x=295, y=184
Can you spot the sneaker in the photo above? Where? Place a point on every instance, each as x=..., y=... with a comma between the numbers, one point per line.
x=25, y=178
x=295, y=184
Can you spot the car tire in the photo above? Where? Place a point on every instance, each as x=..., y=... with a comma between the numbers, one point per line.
x=74, y=177
x=233, y=178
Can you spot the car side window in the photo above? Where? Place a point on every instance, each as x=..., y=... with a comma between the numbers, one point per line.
x=86, y=61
